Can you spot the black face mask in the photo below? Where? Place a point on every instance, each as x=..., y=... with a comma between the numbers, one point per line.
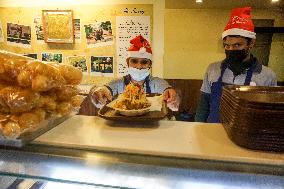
x=236, y=56
x=235, y=60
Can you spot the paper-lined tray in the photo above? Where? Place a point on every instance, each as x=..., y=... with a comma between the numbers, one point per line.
x=30, y=135
x=158, y=111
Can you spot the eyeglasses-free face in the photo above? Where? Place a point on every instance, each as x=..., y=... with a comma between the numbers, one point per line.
x=235, y=43
x=139, y=63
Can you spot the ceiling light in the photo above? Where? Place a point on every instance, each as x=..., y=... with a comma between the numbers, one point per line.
x=198, y=1
x=274, y=1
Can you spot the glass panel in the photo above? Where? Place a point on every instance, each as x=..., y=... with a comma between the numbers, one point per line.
x=9, y=182
x=115, y=171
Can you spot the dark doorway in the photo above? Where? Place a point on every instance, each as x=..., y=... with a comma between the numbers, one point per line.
x=262, y=46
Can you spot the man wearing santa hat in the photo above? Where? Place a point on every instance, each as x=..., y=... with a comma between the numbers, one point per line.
x=139, y=61
x=239, y=67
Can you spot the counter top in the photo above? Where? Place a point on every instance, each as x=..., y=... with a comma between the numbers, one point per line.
x=164, y=138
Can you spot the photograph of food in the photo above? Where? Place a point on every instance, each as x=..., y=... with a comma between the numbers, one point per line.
x=133, y=98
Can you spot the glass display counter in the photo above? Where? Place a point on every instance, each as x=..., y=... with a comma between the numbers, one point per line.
x=71, y=168
x=90, y=152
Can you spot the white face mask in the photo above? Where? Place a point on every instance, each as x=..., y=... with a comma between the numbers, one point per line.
x=137, y=74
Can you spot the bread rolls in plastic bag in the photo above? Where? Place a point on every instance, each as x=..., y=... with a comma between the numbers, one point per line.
x=32, y=91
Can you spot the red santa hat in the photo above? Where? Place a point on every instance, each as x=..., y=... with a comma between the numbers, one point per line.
x=140, y=48
x=240, y=23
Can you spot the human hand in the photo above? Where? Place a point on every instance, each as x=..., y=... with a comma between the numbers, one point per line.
x=172, y=99
x=100, y=96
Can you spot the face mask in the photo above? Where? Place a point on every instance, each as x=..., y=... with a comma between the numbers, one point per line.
x=137, y=74
x=235, y=60
x=236, y=56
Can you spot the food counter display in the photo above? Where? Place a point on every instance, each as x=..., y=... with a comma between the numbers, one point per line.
x=95, y=152
x=131, y=144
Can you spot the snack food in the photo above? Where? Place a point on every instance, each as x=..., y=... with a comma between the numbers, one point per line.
x=32, y=91
x=132, y=102
x=133, y=98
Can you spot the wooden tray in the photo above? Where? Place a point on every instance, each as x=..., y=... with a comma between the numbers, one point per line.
x=109, y=113
x=253, y=116
x=30, y=135
x=257, y=95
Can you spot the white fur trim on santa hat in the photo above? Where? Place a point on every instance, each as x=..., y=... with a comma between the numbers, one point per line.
x=139, y=54
x=237, y=31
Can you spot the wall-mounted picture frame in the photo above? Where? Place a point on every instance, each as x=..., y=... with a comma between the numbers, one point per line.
x=58, y=26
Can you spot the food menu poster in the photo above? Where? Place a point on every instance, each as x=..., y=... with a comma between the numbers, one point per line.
x=128, y=27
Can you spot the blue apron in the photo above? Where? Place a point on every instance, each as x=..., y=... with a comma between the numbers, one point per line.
x=127, y=80
x=216, y=92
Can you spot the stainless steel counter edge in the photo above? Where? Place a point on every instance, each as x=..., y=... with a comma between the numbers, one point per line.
x=111, y=169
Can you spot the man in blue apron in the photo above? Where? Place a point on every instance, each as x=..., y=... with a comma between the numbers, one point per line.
x=239, y=67
x=139, y=61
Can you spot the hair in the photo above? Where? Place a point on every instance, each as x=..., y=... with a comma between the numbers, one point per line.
x=249, y=40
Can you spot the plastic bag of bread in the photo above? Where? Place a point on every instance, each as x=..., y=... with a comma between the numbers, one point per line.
x=33, y=92
x=66, y=92
x=10, y=129
x=14, y=99
x=12, y=125
x=40, y=76
x=71, y=74
x=68, y=106
x=10, y=66
x=48, y=103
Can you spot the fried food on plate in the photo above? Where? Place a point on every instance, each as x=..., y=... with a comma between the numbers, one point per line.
x=133, y=98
